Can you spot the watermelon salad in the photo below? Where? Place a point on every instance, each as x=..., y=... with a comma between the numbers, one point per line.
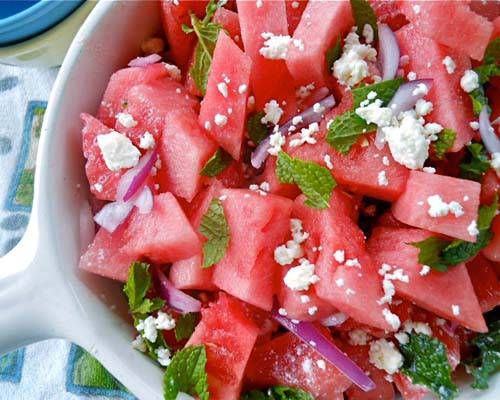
x=301, y=197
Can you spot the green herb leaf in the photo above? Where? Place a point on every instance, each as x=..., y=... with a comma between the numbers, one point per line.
x=385, y=91
x=186, y=373
x=315, y=181
x=278, y=393
x=216, y=164
x=430, y=252
x=184, y=326
x=363, y=14
x=478, y=163
x=478, y=96
x=136, y=288
x=444, y=142
x=492, y=52
x=257, y=131
x=487, y=214
x=487, y=361
x=459, y=250
x=333, y=53
x=426, y=363
x=215, y=228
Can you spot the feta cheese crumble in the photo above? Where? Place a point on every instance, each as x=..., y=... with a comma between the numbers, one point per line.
x=384, y=355
x=469, y=81
x=276, y=46
x=242, y=88
x=118, y=151
x=163, y=356
x=276, y=141
x=472, y=229
x=425, y=270
x=220, y=119
x=358, y=337
x=98, y=187
x=339, y=282
x=374, y=113
x=382, y=179
x=474, y=125
x=139, y=344
x=455, y=309
x=222, y=88
x=392, y=319
x=301, y=277
x=422, y=107
x=417, y=327
x=312, y=310
x=126, y=120
x=321, y=364
x=411, y=76
x=339, y=256
x=368, y=33
x=449, y=64
x=282, y=312
x=147, y=141
x=148, y=328
x=173, y=71
x=273, y=113
x=305, y=299
x=306, y=135
x=439, y=208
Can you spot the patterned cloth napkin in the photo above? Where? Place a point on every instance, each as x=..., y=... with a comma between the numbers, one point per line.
x=55, y=369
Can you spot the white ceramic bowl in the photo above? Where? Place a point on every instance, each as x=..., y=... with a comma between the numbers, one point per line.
x=42, y=292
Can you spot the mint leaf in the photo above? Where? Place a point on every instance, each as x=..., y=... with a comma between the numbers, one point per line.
x=363, y=14
x=487, y=361
x=430, y=252
x=136, y=288
x=444, y=143
x=186, y=373
x=333, y=53
x=459, y=250
x=345, y=130
x=278, y=393
x=487, y=214
x=216, y=164
x=478, y=163
x=256, y=130
x=492, y=52
x=215, y=228
x=478, y=96
x=426, y=363
x=184, y=326
x=315, y=181
x=385, y=91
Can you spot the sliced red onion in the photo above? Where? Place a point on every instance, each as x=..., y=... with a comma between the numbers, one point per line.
x=135, y=178
x=388, y=52
x=260, y=154
x=144, y=201
x=144, y=61
x=407, y=96
x=334, y=319
x=174, y=297
x=488, y=136
x=310, y=335
x=113, y=214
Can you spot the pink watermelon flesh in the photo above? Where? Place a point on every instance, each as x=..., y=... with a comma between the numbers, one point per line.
x=270, y=79
x=485, y=281
x=452, y=106
x=230, y=22
x=391, y=246
x=164, y=235
x=492, y=251
x=189, y=274
x=95, y=167
x=322, y=23
x=184, y=151
x=106, y=255
x=294, y=13
x=438, y=20
x=258, y=224
x=229, y=337
x=412, y=207
x=230, y=68
x=150, y=105
x=333, y=230
x=115, y=96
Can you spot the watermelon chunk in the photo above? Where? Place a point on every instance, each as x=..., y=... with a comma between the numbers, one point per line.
x=115, y=95
x=275, y=186
x=150, y=104
x=353, y=290
x=286, y=360
x=188, y=273
x=452, y=106
x=106, y=255
x=492, y=251
x=485, y=281
x=163, y=235
x=410, y=209
x=257, y=224
x=391, y=246
x=184, y=150
x=294, y=11
x=95, y=167
x=270, y=79
x=322, y=23
x=388, y=12
x=229, y=337
x=439, y=21
x=230, y=69
x=408, y=390
x=230, y=22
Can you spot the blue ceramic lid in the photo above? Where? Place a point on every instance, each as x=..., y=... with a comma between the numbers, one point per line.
x=23, y=19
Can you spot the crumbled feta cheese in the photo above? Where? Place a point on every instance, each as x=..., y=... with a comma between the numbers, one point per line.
x=242, y=88
x=339, y=282
x=392, y=319
x=305, y=299
x=495, y=162
x=318, y=108
x=306, y=135
x=312, y=310
x=276, y=141
x=368, y=33
x=416, y=9
x=472, y=229
x=148, y=328
x=126, y=120
x=273, y=113
x=223, y=197
x=376, y=114
x=350, y=292
x=358, y=337
x=164, y=321
x=411, y=76
x=421, y=89
x=474, y=125
x=425, y=270
x=382, y=179
x=469, y=81
x=417, y=327
x=384, y=355
x=321, y=364
x=286, y=254
x=304, y=91
x=163, y=356
x=402, y=337
x=282, y=312
x=385, y=161
x=449, y=64
x=432, y=128
x=384, y=268
x=276, y=46
x=353, y=262
x=98, y=187
x=455, y=309
x=297, y=231
x=423, y=107
x=208, y=125
x=429, y=170
x=439, y=208
x=456, y=208
x=139, y=344
x=259, y=3
x=178, y=91
x=351, y=68
x=147, y=141
x=222, y=88
x=220, y=119
x=328, y=161
x=389, y=292
x=466, y=198
x=173, y=71
x=301, y=276
x=118, y=151
x=339, y=256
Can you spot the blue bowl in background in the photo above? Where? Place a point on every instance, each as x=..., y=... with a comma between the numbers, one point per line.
x=23, y=19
